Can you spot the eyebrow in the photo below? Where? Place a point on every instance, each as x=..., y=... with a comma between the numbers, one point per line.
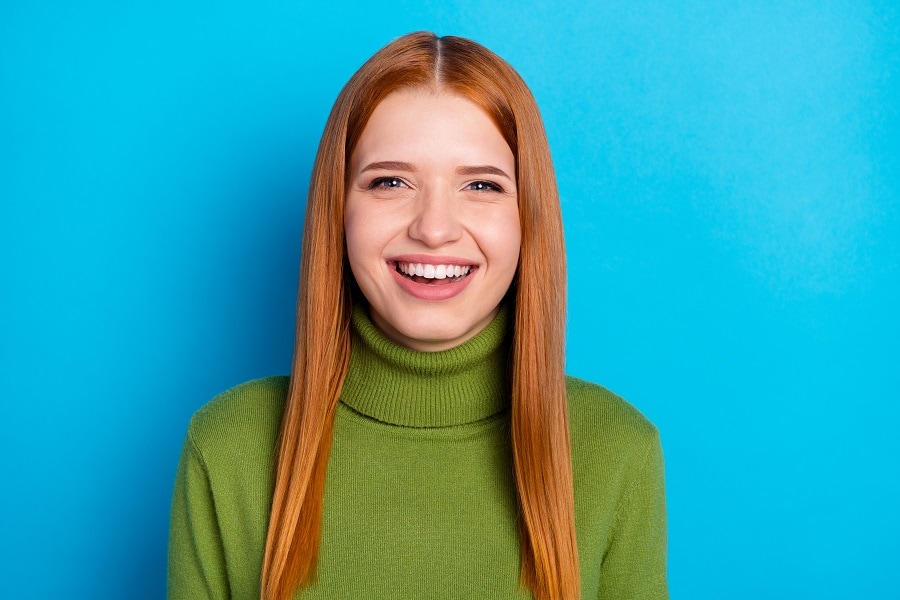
x=482, y=170
x=388, y=165
x=396, y=165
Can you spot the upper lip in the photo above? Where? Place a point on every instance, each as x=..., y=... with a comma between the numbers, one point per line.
x=428, y=259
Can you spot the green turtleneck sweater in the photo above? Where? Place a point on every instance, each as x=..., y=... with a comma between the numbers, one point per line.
x=419, y=495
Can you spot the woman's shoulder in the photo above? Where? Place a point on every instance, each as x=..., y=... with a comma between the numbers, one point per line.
x=246, y=415
x=598, y=416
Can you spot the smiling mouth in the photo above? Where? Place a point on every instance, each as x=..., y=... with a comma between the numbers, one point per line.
x=428, y=274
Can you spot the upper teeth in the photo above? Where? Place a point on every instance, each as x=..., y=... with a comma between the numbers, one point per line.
x=433, y=271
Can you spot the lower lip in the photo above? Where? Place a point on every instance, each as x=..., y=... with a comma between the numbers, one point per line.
x=431, y=293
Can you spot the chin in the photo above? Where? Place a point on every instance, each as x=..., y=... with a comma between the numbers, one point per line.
x=429, y=334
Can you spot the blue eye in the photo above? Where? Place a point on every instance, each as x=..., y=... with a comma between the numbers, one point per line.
x=386, y=183
x=484, y=186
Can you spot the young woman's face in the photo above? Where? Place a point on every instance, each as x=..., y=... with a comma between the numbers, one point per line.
x=432, y=218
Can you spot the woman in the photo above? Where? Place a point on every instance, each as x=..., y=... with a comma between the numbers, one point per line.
x=427, y=443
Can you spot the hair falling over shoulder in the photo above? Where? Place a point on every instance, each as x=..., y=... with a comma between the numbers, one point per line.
x=539, y=414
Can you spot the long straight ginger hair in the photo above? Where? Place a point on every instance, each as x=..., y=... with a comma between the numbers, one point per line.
x=539, y=414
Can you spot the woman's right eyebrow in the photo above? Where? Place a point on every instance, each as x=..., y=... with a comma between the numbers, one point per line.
x=388, y=165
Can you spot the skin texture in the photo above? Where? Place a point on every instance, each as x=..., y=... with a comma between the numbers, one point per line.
x=432, y=181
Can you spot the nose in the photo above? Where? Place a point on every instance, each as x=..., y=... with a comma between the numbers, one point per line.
x=435, y=220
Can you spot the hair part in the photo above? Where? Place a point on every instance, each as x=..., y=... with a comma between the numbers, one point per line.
x=539, y=412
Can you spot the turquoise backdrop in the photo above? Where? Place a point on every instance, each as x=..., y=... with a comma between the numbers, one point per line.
x=730, y=179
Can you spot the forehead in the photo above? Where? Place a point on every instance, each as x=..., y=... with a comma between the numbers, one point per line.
x=418, y=122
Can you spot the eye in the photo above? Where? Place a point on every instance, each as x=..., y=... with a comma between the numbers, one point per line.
x=484, y=186
x=386, y=183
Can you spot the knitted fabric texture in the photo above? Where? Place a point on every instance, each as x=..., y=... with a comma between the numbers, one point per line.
x=419, y=496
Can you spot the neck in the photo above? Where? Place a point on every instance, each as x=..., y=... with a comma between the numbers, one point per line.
x=400, y=386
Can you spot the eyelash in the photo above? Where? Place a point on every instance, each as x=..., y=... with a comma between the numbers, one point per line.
x=378, y=181
x=488, y=186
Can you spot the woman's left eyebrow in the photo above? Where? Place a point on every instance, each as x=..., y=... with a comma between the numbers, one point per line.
x=482, y=170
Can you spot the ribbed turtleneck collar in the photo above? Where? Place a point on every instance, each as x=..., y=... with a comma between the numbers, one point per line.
x=396, y=385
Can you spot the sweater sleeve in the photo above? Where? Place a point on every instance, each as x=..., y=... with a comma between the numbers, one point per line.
x=634, y=567
x=196, y=555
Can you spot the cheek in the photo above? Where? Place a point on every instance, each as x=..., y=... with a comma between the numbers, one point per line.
x=367, y=234
x=358, y=231
x=503, y=241
x=355, y=241
x=370, y=229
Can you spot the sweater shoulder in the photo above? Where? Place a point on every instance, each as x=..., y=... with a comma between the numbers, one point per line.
x=598, y=416
x=240, y=418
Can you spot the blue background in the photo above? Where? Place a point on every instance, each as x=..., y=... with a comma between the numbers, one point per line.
x=730, y=178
